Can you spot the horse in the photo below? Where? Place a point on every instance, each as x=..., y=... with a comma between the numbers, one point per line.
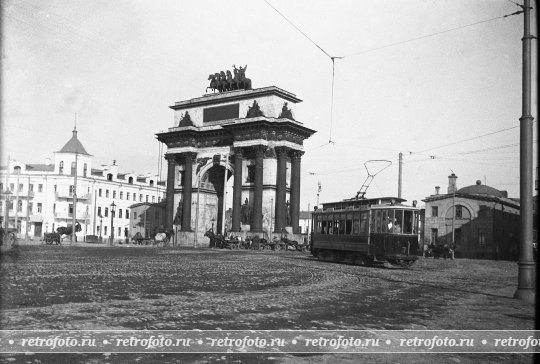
x=162, y=238
x=231, y=85
x=440, y=251
x=63, y=230
x=213, y=83
x=139, y=239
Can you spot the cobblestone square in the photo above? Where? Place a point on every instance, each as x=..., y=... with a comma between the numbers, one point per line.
x=131, y=287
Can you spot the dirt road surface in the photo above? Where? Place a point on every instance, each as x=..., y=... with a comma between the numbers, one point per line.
x=88, y=286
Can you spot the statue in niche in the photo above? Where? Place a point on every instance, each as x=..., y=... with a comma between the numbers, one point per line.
x=254, y=110
x=286, y=113
x=185, y=120
x=178, y=217
x=245, y=211
x=288, y=208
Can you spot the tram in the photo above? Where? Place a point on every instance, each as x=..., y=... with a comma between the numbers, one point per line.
x=372, y=231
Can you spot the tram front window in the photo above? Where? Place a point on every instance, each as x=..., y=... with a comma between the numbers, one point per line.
x=408, y=222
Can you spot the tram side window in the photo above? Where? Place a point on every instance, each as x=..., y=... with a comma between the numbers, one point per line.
x=378, y=221
x=318, y=224
x=363, y=222
x=356, y=224
x=343, y=225
x=324, y=229
x=335, y=229
x=408, y=222
x=385, y=226
x=391, y=222
x=398, y=225
x=416, y=223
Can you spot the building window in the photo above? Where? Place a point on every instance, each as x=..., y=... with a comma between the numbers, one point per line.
x=19, y=206
x=481, y=237
x=459, y=211
x=54, y=210
x=71, y=188
x=71, y=209
x=73, y=169
x=61, y=167
x=107, y=193
x=121, y=195
x=134, y=197
x=11, y=187
x=120, y=213
x=153, y=199
x=250, y=178
x=113, y=194
x=30, y=187
x=127, y=195
x=151, y=182
x=127, y=214
x=119, y=231
x=434, y=236
x=30, y=208
x=40, y=187
x=146, y=198
x=130, y=180
x=39, y=207
x=99, y=194
x=20, y=187
x=99, y=211
x=109, y=177
x=181, y=177
x=434, y=211
x=105, y=230
x=134, y=215
x=140, y=197
x=106, y=211
x=85, y=169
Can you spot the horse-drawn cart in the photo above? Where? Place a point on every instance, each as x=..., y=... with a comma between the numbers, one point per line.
x=51, y=239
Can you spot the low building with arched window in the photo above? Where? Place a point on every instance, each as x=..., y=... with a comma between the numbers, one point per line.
x=480, y=221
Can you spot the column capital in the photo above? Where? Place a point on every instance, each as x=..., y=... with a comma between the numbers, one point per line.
x=260, y=150
x=239, y=152
x=187, y=157
x=296, y=154
x=282, y=151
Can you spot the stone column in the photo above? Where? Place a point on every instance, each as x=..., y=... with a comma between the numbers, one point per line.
x=189, y=159
x=256, y=215
x=296, y=156
x=237, y=190
x=281, y=192
x=171, y=179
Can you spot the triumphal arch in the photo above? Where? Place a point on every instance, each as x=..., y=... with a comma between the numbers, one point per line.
x=234, y=132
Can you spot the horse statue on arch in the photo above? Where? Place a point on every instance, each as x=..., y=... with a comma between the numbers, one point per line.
x=213, y=82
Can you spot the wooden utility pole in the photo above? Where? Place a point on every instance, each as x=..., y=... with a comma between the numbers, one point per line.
x=400, y=174
x=525, y=290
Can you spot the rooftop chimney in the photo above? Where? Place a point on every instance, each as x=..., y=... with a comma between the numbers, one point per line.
x=452, y=186
x=437, y=189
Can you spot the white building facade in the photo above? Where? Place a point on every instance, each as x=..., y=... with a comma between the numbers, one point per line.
x=38, y=198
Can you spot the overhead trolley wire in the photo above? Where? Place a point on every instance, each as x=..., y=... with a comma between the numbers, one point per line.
x=429, y=35
x=333, y=58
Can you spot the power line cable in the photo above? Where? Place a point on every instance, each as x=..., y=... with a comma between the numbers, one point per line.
x=465, y=140
x=428, y=35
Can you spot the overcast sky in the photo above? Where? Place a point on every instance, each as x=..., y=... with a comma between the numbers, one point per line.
x=410, y=82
